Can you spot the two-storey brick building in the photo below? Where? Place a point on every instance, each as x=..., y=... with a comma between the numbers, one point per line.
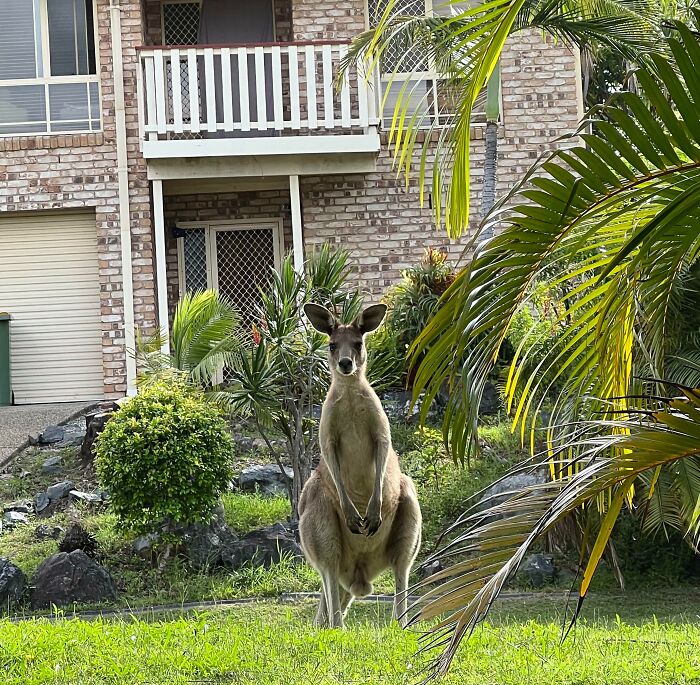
x=153, y=146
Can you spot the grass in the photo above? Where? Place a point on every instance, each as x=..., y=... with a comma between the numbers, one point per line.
x=272, y=644
x=245, y=512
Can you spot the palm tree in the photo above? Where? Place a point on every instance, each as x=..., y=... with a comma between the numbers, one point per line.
x=464, y=47
x=615, y=227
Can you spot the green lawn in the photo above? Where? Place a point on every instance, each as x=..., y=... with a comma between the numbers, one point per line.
x=275, y=644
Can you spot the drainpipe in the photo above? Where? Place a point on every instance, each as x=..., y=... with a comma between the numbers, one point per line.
x=124, y=213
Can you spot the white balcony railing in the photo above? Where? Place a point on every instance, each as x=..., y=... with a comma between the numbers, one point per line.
x=272, y=90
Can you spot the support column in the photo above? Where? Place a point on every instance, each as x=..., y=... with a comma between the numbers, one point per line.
x=297, y=234
x=161, y=271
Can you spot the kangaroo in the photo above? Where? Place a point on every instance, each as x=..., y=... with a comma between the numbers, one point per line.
x=358, y=472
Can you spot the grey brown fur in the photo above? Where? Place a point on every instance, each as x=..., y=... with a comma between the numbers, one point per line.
x=359, y=515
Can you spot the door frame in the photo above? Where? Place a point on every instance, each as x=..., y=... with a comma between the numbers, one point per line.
x=211, y=228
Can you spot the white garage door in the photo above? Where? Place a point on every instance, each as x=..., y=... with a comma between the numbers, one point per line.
x=49, y=283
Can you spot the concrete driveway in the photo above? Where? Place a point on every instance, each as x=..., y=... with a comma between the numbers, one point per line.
x=18, y=423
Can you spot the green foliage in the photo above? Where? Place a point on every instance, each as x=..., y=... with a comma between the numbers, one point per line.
x=165, y=457
x=412, y=303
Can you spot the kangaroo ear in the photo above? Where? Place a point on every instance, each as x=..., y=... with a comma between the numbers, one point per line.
x=371, y=318
x=321, y=319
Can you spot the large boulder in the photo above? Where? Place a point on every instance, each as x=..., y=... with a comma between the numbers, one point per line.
x=69, y=577
x=205, y=544
x=267, y=479
x=262, y=547
x=59, y=490
x=12, y=584
x=537, y=570
x=501, y=491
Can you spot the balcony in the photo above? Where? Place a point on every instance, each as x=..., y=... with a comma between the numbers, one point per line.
x=257, y=101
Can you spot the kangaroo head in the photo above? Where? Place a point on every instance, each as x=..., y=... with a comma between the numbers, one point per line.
x=346, y=349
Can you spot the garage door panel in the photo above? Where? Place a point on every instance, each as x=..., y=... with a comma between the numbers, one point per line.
x=49, y=282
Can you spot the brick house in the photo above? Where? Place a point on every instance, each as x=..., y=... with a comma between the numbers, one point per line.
x=130, y=171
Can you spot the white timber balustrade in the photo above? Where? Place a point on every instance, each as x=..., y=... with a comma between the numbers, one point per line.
x=262, y=91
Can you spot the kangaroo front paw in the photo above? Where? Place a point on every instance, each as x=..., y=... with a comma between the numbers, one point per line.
x=372, y=523
x=355, y=523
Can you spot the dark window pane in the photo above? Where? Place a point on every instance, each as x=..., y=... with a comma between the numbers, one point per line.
x=71, y=40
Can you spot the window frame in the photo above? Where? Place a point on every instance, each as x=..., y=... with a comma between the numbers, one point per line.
x=433, y=114
x=44, y=52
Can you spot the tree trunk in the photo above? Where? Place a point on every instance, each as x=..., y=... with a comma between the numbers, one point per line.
x=488, y=193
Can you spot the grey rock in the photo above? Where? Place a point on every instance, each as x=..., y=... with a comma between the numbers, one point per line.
x=12, y=584
x=14, y=518
x=264, y=547
x=59, y=490
x=72, y=437
x=6, y=476
x=207, y=544
x=41, y=502
x=501, y=491
x=51, y=435
x=490, y=400
x=428, y=569
x=87, y=497
x=52, y=465
x=69, y=577
x=537, y=570
x=44, y=532
x=268, y=479
x=23, y=507
x=144, y=544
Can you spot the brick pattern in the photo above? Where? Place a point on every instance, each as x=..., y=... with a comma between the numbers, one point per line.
x=327, y=19
x=76, y=171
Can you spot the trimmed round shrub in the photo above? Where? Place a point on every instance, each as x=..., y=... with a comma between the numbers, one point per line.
x=165, y=458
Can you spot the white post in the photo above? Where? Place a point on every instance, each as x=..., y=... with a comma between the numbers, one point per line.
x=297, y=236
x=161, y=272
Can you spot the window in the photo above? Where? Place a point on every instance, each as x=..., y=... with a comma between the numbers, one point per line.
x=48, y=67
x=424, y=89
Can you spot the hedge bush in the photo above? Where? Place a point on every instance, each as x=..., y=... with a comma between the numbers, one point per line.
x=165, y=457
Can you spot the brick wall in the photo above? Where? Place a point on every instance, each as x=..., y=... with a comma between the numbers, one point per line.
x=47, y=172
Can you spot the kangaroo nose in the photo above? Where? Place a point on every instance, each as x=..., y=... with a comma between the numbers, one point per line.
x=345, y=364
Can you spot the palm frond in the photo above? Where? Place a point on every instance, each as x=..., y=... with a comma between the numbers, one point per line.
x=490, y=545
x=615, y=222
x=464, y=46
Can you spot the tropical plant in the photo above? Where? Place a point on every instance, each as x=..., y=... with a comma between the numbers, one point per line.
x=629, y=201
x=165, y=458
x=204, y=340
x=464, y=45
x=282, y=377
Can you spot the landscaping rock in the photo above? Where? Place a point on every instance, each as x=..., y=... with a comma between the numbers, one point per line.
x=268, y=479
x=73, y=436
x=501, y=491
x=23, y=507
x=41, y=502
x=44, y=532
x=51, y=435
x=264, y=546
x=65, y=578
x=206, y=545
x=144, y=544
x=490, y=400
x=87, y=497
x=537, y=570
x=52, y=465
x=59, y=490
x=15, y=518
x=94, y=424
x=12, y=584
x=429, y=569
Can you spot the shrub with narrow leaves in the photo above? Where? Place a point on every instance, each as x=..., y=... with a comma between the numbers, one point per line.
x=165, y=457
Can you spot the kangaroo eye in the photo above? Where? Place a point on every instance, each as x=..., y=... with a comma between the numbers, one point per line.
x=332, y=347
